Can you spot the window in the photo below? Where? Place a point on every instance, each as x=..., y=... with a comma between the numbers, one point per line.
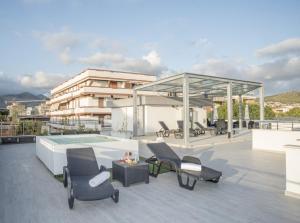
x=99, y=83
x=113, y=84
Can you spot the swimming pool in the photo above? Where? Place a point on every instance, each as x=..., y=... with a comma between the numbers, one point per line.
x=87, y=139
x=51, y=150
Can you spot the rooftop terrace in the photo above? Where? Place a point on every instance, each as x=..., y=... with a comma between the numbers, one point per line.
x=251, y=190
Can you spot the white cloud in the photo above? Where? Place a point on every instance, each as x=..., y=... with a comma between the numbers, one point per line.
x=280, y=73
x=41, y=80
x=153, y=58
x=278, y=70
x=102, y=59
x=219, y=67
x=283, y=48
x=201, y=42
x=106, y=45
x=61, y=43
x=65, y=56
x=150, y=63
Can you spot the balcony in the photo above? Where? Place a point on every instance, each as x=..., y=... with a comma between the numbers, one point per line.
x=96, y=90
x=78, y=111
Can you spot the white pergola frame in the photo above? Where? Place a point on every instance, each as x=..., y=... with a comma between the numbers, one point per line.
x=189, y=84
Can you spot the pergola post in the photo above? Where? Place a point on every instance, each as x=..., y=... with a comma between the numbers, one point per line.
x=229, y=109
x=261, y=105
x=134, y=117
x=240, y=112
x=186, y=109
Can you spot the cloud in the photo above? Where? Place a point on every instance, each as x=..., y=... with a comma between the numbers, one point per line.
x=41, y=80
x=65, y=56
x=219, y=67
x=150, y=63
x=283, y=48
x=153, y=58
x=60, y=43
x=278, y=75
x=106, y=45
x=201, y=42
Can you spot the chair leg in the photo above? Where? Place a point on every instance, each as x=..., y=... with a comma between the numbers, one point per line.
x=71, y=198
x=115, y=196
x=65, y=177
x=186, y=185
x=215, y=180
x=154, y=173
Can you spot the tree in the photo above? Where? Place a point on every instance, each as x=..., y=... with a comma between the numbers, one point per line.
x=253, y=111
x=294, y=112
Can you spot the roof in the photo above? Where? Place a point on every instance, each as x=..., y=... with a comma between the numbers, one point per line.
x=157, y=101
x=201, y=85
x=105, y=74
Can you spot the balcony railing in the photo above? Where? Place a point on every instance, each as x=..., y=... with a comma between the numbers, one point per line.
x=284, y=125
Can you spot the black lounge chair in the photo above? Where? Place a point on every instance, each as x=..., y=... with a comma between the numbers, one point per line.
x=179, y=132
x=82, y=166
x=201, y=129
x=164, y=131
x=163, y=154
x=221, y=127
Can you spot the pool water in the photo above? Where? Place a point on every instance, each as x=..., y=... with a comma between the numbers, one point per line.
x=88, y=139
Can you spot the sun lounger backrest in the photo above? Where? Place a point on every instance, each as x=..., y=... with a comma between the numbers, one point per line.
x=82, y=162
x=180, y=124
x=163, y=125
x=163, y=152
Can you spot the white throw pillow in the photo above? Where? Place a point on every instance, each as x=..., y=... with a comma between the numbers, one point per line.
x=191, y=166
x=99, y=179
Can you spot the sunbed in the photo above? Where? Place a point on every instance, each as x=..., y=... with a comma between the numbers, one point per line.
x=201, y=129
x=81, y=168
x=164, y=131
x=163, y=154
x=179, y=132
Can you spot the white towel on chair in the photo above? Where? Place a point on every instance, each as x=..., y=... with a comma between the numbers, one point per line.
x=99, y=179
x=191, y=166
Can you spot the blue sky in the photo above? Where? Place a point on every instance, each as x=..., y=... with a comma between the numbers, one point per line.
x=46, y=41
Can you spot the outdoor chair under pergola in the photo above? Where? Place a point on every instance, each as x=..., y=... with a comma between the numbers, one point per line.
x=188, y=86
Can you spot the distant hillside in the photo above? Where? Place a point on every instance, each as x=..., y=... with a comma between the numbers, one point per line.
x=285, y=98
x=20, y=97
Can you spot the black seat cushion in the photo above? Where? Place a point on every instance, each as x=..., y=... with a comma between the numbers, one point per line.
x=83, y=191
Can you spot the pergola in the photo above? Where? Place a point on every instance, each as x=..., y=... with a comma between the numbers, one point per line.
x=189, y=85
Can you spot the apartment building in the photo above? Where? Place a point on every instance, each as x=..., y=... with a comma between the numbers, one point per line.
x=82, y=99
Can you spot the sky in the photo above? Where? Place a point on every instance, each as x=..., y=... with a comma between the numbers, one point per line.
x=44, y=42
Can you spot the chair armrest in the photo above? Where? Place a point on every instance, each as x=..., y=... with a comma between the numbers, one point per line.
x=191, y=159
x=66, y=176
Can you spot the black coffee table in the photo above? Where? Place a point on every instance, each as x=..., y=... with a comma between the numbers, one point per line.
x=130, y=174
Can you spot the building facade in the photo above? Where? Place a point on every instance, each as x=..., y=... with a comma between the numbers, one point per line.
x=82, y=99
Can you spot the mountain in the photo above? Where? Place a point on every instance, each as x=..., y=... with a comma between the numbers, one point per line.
x=25, y=96
x=285, y=98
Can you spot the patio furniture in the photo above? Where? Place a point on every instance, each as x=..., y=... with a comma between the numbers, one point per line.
x=180, y=132
x=165, y=155
x=221, y=127
x=201, y=129
x=81, y=168
x=164, y=131
x=129, y=174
